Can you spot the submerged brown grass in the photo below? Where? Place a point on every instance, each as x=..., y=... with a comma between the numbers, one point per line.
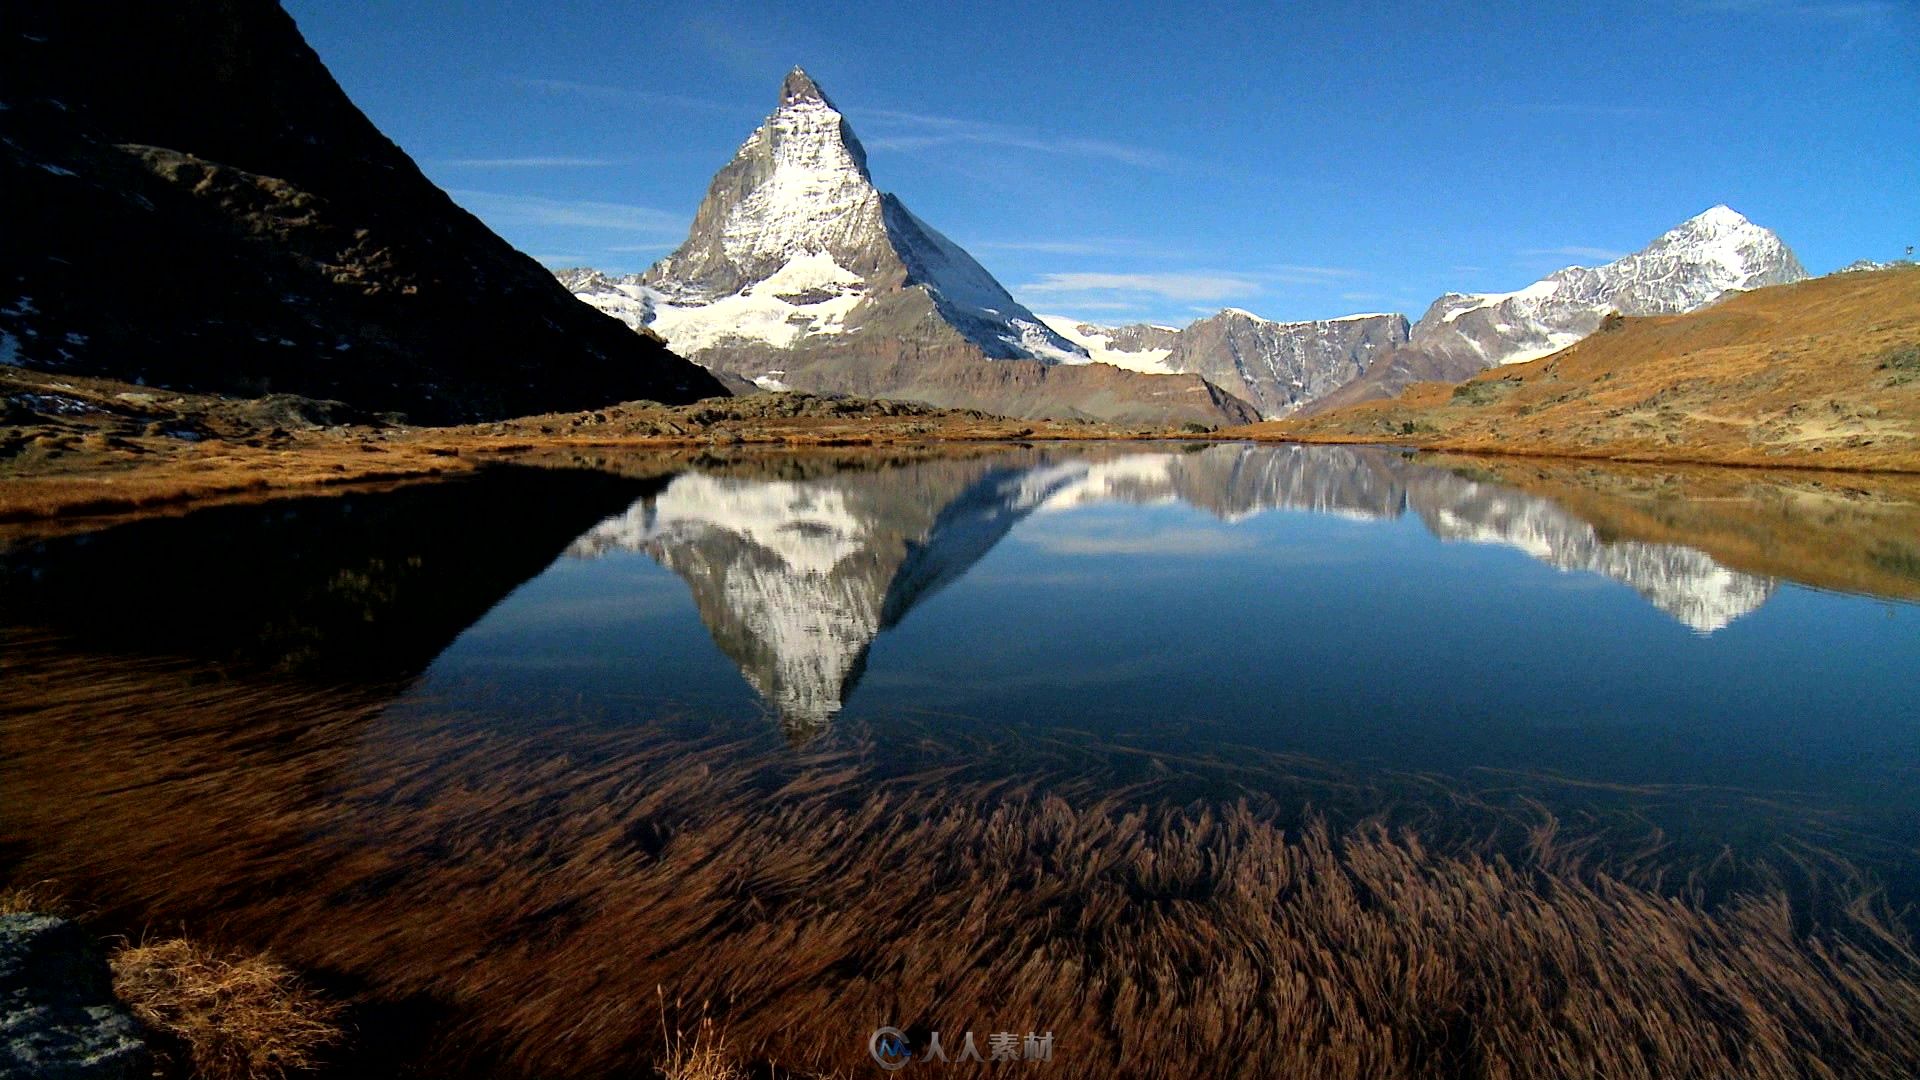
x=538, y=885
x=230, y=1017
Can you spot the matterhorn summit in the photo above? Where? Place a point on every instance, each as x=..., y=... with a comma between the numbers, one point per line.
x=793, y=241
x=798, y=273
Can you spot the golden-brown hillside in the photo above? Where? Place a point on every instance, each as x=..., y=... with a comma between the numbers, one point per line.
x=1821, y=373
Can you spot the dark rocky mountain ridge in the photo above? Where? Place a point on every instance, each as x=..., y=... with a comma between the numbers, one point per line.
x=192, y=201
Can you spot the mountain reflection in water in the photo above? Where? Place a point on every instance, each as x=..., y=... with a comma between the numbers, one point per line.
x=1282, y=716
x=796, y=577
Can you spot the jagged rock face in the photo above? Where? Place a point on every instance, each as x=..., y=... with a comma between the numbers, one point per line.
x=1687, y=268
x=798, y=273
x=1276, y=366
x=1273, y=366
x=280, y=243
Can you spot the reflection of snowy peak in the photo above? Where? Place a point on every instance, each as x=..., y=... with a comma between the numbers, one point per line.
x=771, y=568
x=1681, y=581
x=793, y=242
x=1688, y=267
x=1234, y=482
x=796, y=577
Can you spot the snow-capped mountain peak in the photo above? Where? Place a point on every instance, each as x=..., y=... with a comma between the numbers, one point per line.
x=1685, y=268
x=1721, y=246
x=794, y=247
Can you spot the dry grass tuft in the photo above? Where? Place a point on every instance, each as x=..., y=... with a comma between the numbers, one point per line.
x=702, y=1053
x=231, y=1017
x=41, y=896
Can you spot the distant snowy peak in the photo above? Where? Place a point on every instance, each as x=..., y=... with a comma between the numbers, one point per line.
x=1865, y=266
x=1686, y=268
x=793, y=241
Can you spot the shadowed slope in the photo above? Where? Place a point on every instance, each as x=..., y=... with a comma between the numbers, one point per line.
x=193, y=202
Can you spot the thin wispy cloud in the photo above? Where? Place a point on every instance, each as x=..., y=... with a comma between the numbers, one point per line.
x=892, y=129
x=1050, y=247
x=1575, y=252
x=529, y=163
x=1854, y=12
x=1360, y=296
x=1090, y=246
x=1291, y=274
x=627, y=95
x=499, y=208
x=1105, y=305
x=1098, y=539
x=1185, y=287
x=1595, y=109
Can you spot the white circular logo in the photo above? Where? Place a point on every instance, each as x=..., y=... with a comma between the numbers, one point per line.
x=888, y=1046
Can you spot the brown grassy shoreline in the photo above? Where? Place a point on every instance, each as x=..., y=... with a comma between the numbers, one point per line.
x=82, y=447
x=1838, y=465
x=1820, y=374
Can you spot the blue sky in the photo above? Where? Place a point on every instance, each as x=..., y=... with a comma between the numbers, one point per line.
x=1159, y=161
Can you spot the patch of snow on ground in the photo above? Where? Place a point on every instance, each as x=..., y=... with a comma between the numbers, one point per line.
x=810, y=272
x=1555, y=342
x=1151, y=361
x=755, y=315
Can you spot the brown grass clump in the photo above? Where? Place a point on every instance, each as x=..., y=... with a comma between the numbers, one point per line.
x=40, y=896
x=229, y=1017
x=702, y=1053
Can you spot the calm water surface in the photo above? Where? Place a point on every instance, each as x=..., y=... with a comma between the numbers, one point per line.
x=1729, y=660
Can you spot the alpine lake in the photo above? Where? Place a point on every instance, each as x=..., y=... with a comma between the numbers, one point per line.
x=1158, y=748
